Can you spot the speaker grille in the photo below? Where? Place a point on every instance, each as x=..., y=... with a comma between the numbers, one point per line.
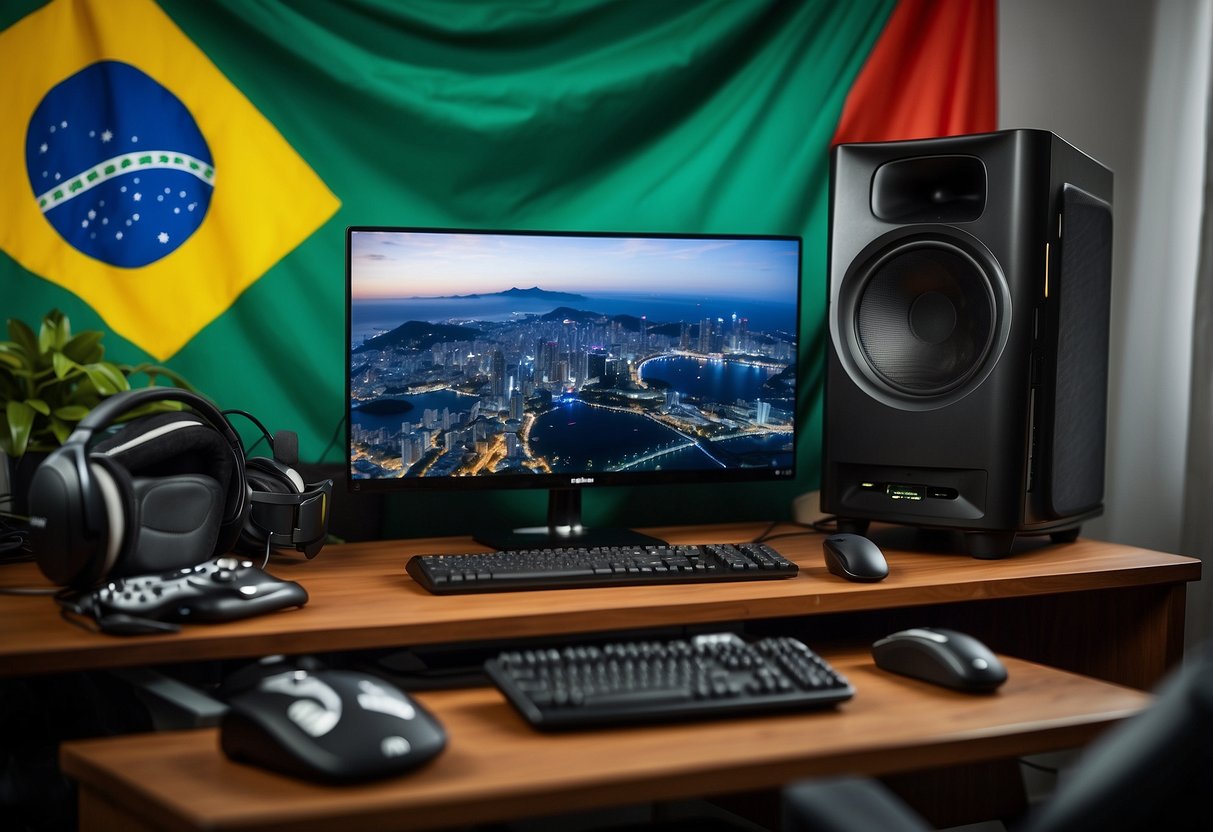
x=925, y=318
x=1084, y=304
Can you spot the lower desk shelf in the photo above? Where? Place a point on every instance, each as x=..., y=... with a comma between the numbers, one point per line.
x=496, y=767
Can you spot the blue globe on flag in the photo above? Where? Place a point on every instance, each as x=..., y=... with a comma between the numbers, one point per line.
x=118, y=165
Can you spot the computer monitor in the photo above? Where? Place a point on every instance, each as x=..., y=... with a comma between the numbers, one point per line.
x=566, y=361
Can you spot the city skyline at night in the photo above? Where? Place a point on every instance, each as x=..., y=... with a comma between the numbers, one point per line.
x=536, y=354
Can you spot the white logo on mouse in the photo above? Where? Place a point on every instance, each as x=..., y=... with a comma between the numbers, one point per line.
x=317, y=711
x=394, y=746
x=372, y=697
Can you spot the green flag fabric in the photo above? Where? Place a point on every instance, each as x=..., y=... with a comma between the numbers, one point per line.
x=703, y=116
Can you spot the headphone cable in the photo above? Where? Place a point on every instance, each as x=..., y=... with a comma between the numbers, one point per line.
x=14, y=536
x=265, y=434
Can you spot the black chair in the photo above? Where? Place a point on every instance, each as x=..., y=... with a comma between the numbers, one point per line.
x=1153, y=772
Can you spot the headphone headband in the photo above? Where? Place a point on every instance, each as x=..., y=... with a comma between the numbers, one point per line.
x=109, y=409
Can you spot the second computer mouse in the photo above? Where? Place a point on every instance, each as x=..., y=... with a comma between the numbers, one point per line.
x=945, y=657
x=329, y=725
x=854, y=557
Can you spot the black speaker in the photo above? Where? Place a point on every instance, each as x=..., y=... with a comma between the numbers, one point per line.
x=968, y=308
x=165, y=491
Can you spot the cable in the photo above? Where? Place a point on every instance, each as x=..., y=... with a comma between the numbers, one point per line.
x=8, y=515
x=765, y=533
x=82, y=611
x=265, y=434
x=826, y=525
x=79, y=620
x=254, y=420
x=797, y=533
x=14, y=545
x=14, y=537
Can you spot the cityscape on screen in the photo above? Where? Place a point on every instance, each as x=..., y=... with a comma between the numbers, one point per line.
x=477, y=354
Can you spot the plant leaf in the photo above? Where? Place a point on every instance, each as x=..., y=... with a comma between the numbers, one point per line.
x=20, y=424
x=82, y=392
x=56, y=331
x=14, y=358
x=51, y=380
x=11, y=357
x=61, y=429
x=107, y=378
x=24, y=337
x=63, y=365
x=85, y=348
x=71, y=412
x=153, y=371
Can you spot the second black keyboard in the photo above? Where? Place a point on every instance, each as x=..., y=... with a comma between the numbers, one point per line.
x=597, y=566
x=630, y=681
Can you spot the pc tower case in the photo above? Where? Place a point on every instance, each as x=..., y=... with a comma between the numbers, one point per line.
x=966, y=380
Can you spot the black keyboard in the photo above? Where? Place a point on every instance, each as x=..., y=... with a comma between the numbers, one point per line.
x=646, y=681
x=597, y=566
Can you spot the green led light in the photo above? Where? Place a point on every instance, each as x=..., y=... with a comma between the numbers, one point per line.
x=899, y=491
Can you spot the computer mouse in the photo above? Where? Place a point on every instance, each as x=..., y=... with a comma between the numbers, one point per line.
x=329, y=725
x=854, y=557
x=946, y=657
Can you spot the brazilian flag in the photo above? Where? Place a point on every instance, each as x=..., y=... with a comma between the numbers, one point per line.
x=179, y=173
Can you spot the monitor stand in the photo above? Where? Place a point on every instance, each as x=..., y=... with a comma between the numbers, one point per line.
x=564, y=529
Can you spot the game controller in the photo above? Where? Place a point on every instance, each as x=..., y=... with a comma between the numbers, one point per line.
x=223, y=589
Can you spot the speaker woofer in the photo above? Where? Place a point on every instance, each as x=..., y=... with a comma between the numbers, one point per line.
x=920, y=319
x=925, y=319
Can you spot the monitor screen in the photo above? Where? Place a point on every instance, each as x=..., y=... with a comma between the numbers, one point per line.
x=508, y=359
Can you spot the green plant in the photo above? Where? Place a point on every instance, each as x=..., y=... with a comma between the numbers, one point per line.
x=50, y=381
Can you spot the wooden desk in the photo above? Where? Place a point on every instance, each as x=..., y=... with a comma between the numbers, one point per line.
x=497, y=767
x=1114, y=613
x=1105, y=610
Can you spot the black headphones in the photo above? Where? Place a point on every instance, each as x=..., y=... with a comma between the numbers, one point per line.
x=164, y=492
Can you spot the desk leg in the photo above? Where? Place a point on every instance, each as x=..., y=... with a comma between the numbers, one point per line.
x=99, y=814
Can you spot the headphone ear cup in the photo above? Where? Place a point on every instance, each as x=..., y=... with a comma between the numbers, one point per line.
x=179, y=516
x=265, y=476
x=121, y=516
x=77, y=527
x=175, y=444
x=182, y=471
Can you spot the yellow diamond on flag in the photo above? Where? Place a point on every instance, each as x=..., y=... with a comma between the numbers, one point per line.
x=136, y=176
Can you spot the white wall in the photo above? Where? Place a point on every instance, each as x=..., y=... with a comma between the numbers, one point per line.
x=1126, y=81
